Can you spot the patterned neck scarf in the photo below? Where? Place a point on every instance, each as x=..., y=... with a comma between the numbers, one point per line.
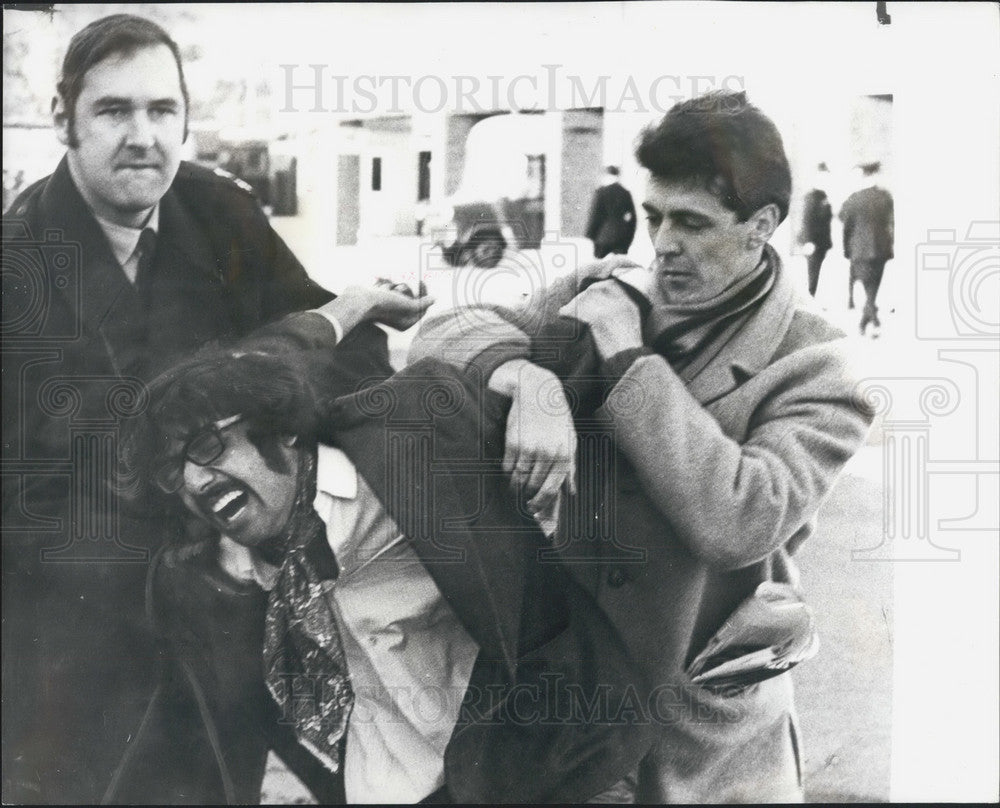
x=304, y=663
x=691, y=335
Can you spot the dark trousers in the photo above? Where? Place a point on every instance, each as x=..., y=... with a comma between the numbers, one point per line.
x=869, y=272
x=813, y=264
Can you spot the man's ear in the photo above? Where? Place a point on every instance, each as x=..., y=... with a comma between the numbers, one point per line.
x=60, y=120
x=761, y=226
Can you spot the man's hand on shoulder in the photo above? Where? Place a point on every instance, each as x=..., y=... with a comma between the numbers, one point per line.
x=565, y=288
x=613, y=317
x=604, y=268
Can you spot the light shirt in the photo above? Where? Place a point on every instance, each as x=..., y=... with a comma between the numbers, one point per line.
x=124, y=241
x=408, y=656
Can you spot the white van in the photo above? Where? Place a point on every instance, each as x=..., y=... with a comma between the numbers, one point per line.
x=500, y=201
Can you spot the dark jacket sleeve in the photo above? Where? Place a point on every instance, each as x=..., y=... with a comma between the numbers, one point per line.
x=202, y=739
x=207, y=732
x=307, y=341
x=254, y=261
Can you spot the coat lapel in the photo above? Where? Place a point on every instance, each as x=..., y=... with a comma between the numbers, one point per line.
x=751, y=348
x=110, y=305
x=189, y=304
x=181, y=235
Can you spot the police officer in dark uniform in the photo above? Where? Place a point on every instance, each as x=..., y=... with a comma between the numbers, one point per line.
x=611, y=223
x=814, y=234
x=119, y=262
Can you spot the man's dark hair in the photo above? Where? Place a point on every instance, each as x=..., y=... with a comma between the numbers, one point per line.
x=725, y=144
x=117, y=35
x=269, y=390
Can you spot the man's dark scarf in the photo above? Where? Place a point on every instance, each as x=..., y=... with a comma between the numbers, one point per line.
x=690, y=335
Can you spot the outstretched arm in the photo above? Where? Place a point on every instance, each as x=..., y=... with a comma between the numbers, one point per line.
x=360, y=304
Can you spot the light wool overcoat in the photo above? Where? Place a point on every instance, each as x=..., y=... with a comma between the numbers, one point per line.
x=689, y=496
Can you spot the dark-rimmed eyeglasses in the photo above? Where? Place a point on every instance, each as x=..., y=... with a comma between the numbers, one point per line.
x=205, y=447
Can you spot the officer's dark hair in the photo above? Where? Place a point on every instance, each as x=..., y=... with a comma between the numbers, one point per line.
x=117, y=35
x=725, y=144
x=269, y=390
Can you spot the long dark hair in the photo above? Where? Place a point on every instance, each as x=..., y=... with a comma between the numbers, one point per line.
x=270, y=391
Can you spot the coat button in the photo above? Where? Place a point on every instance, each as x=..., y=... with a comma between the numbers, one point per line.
x=616, y=577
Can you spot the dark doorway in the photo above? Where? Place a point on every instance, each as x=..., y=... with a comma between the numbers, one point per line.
x=423, y=176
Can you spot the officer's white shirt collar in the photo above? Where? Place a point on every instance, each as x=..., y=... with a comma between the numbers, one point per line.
x=125, y=240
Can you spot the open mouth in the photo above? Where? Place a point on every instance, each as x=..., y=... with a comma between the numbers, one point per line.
x=227, y=504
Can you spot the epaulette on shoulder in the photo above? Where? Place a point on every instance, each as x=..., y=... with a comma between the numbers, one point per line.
x=244, y=186
x=216, y=177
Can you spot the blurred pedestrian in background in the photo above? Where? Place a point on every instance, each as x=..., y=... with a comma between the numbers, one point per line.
x=868, y=241
x=611, y=225
x=814, y=235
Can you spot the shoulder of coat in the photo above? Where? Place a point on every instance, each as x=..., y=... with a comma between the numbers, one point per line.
x=217, y=179
x=807, y=328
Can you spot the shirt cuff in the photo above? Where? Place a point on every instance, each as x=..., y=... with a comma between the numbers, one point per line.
x=337, y=327
x=490, y=359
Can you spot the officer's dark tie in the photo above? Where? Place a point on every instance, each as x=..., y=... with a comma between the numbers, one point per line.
x=143, y=275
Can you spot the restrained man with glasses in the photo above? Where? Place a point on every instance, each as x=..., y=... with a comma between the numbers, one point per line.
x=201, y=450
x=363, y=592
